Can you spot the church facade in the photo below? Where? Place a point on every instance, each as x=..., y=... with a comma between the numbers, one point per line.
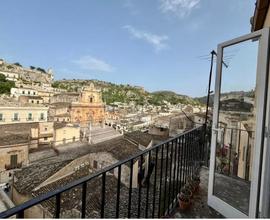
x=89, y=108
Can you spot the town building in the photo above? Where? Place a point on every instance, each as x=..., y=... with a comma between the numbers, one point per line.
x=67, y=97
x=89, y=108
x=22, y=114
x=16, y=92
x=59, y=112
x=14, y=151
x=30, y=99
x=66, y=133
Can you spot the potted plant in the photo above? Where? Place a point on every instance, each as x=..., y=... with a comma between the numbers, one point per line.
x=196, y=179
x=184, y=198
x=196, y=183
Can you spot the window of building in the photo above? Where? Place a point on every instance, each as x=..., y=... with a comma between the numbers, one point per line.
x=46, y=128
x=23, y=92
x=13, y=161
x=1, y=117
x=91, y=99
x=41, y=116
x=95, y=164
x=29, y=116
x=28, y=92
x=74, y=138
x=37, y=102
x=32, y=101
x=64, y=140
x=16, y=116
x=34, y=93
x=45, y=139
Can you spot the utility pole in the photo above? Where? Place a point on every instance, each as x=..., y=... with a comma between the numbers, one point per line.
x=90, y=130
x=213, y=53
x=209, y=87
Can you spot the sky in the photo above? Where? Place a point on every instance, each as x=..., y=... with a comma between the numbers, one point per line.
x=157, y=44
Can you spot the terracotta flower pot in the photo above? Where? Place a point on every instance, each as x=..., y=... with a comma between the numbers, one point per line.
x=197, y=189
x=184, y=204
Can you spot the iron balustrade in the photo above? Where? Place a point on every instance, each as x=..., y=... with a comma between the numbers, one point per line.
x=234, y=147
x=149, y=191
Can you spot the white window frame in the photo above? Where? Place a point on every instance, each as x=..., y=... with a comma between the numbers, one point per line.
x=262, y=72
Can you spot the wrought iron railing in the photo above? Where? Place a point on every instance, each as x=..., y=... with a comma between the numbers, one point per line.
x=13, y=166
x=234, y=151
x=145, y=185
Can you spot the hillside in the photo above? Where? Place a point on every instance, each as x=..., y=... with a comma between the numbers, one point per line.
x=228, y=94
x=126, y=93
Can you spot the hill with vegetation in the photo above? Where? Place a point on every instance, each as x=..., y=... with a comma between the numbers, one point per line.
x=5, y=85
x=239, y=94
x=126, y=93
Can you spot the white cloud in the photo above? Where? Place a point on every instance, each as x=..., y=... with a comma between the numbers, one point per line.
x=92, y=63
x=157, y=41
x=180, y=8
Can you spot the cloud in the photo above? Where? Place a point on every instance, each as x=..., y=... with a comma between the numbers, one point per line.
x=129, y=5
x=92, y=63
x=180, y=8
x=157, y=41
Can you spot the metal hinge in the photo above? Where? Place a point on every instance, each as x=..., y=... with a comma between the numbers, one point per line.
x=266, y=132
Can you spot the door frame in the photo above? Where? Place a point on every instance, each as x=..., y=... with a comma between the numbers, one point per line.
x=261, y=91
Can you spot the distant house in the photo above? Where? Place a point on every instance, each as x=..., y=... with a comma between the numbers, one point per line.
x=31, y=99
x=60, y=112
x=14, y=151
x=66, y=133
x=22, y=113
x=16, y=92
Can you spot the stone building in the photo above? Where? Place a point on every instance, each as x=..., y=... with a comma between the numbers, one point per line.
x=31, y=99
x=89, y=108
x=16, y=92
x=59, y=112
x=66, y=133
x=13, y=154
x=22, y=114
x=67, y=97
x=172, y=125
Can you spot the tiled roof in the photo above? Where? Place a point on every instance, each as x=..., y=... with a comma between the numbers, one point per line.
x=59, y=125
x=144, y=138
x=14, y=139
x=71, y=199
x=119, y=147
x=30, y=177
x=16, y=133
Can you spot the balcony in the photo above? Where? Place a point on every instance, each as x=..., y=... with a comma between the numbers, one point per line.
x=30, y=119
x=15, y=119
x=113, y=192
x=14, y=166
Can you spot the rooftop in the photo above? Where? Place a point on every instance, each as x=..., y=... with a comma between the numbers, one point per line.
x=32, y=176
x=144, y=138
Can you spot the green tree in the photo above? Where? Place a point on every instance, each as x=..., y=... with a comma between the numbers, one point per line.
x=5, y=85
